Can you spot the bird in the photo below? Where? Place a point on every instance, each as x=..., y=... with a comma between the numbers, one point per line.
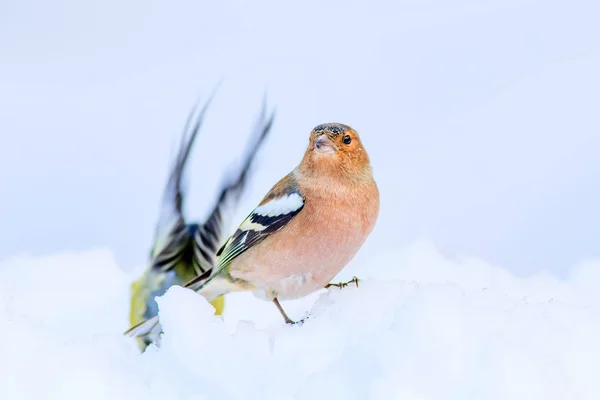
x=306, y=229
x=184, y=249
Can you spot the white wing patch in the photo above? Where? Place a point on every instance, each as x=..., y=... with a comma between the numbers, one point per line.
x=248, y=225
x=262, y=222
x=281, y=206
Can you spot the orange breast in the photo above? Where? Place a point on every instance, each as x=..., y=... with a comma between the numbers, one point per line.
x=314, y=247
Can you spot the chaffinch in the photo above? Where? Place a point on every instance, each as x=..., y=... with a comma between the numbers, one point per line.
x=304, y=231
x=183, y=250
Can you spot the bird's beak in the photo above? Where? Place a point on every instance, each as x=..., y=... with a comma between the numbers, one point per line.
x=324, y=145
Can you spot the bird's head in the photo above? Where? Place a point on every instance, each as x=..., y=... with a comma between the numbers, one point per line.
x=336, y=149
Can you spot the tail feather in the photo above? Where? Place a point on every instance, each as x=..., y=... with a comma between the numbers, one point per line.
x=151, y=328
x=145, y=328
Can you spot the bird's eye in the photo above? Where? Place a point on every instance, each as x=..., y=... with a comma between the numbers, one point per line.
x=347, y=139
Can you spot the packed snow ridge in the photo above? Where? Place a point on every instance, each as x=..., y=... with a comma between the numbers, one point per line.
x=417, y=327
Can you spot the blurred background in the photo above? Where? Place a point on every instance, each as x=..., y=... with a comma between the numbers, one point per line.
x=481, y=119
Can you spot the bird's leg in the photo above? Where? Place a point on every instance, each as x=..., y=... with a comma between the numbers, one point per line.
x=343, y=284
x=287, y=319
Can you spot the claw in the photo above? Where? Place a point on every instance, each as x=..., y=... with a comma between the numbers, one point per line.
x=299, y=322
x=342, y=285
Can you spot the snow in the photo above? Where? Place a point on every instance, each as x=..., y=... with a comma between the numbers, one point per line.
x=480, y=119
x=419, y=326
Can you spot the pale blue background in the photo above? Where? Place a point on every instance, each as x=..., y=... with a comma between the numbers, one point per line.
x=482, y=120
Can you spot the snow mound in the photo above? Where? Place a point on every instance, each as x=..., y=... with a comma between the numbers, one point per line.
x=417, y=327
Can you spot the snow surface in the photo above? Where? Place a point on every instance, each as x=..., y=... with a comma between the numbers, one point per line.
x=418, y=327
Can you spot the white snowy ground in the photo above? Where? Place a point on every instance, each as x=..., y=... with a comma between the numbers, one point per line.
x=418, y=327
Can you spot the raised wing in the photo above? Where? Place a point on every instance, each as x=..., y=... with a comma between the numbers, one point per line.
x=211, y=234
x=172, y=235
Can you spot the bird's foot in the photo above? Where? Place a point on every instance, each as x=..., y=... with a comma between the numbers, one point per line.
x=287, y=319
x=342, y=285
x=284, y=315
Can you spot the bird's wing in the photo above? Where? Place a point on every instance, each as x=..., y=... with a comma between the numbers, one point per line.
x=283, y=202
x=211, y=234
x=172, y=234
